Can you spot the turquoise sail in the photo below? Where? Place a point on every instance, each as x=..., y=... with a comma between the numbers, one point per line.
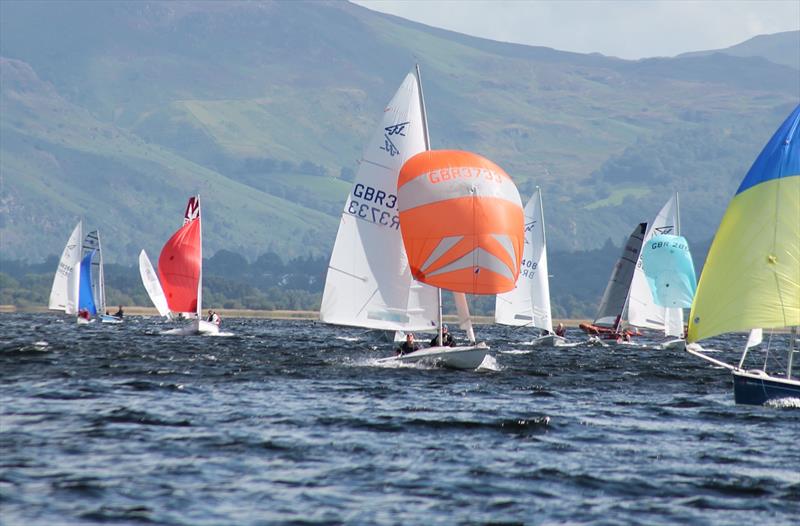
x=86, y=296
x=668, y=266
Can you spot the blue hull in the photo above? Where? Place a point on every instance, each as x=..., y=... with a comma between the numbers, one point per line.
x=757, y=391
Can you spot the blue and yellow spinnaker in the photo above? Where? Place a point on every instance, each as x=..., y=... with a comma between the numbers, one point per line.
x=751, y=277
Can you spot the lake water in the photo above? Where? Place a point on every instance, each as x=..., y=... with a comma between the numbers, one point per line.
x=294, y=422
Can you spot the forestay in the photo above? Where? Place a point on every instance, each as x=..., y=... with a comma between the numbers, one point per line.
x=616, y=293
x=64, y=293
x=369, y=282
x=529, y=303
x=642, y=311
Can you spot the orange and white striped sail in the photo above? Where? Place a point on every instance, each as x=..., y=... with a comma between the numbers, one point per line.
x=462, y=222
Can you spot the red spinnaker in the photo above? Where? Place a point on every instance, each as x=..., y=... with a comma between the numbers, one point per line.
x=179, y=267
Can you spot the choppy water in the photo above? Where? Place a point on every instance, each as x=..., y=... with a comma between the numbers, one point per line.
x=292, y=422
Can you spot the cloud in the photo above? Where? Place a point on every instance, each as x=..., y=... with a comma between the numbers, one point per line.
x=627, y=29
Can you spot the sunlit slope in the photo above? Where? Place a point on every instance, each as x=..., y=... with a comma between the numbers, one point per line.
x=60, y=164
x=273, y=100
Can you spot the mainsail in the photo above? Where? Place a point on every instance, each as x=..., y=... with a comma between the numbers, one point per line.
x=642, y=311
x=180, y=263
x=152, y=285
x=668, y=265
x=616, y=293
x=462, y=222
x=64, y=293
x=529, y=303
x=751, y=278
x=369, y=281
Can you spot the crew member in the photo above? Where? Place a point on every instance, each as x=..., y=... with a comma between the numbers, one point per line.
x=408, y=346
x=446, y=336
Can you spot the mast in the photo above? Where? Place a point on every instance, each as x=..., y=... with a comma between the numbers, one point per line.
x=544, y=244
x=101, y=282
x=200, y=279
x=427, y=148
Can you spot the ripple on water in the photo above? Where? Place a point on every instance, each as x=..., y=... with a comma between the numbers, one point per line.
x=296, y=422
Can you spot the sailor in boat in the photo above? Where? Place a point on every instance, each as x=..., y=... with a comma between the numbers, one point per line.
x=561, y=331
x=84, y=313
x=408, y=346
x=214, y=318
x=119, y=314
x=446, y=336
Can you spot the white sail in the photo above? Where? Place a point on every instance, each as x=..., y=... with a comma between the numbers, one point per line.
x=152, y=285
x=369, y=282
x=92, y=242
x=464, y=319
x=642, y=310
x=755, y=337
x=64, y=293
x=529, y=302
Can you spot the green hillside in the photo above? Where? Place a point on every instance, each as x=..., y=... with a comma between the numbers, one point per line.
x=117, y=111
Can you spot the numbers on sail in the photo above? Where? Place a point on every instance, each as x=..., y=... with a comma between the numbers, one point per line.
x=527, y=268
x=375, y=206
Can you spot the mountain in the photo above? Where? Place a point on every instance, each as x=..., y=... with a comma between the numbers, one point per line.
x=780, y=48
x=117, y=111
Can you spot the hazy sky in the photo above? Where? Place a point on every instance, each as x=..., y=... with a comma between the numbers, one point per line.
x=627, y=29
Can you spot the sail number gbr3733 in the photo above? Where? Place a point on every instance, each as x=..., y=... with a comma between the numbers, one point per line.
x=374, y=205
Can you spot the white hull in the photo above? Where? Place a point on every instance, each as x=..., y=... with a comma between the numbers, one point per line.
x=105, y=318
x=84, y=321
x=196, y=327
x=452, y=357
x=678, y=343
x=549, y=340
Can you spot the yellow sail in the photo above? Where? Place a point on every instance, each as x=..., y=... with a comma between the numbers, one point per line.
x=751, y=277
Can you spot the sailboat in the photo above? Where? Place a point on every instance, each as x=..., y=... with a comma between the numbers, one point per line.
x=65, y=292
x=369, y=281
x=751, y=278
x=528, y=305
x=462, y=224
x=641, y=310
x=79, y=284
x=92, y=282
x=180, y=274
x=608, y=323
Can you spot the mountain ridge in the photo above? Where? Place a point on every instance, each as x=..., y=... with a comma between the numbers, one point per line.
x=264, y=107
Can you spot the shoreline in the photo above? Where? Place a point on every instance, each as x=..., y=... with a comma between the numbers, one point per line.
x=310, y=315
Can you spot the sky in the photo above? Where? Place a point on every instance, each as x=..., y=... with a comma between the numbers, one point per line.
x=627, y=29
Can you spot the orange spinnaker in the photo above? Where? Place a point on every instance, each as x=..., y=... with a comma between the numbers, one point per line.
x=179, y=267
x=462, y=222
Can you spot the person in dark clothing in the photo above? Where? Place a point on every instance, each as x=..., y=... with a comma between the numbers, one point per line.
x=561, y=330
x=446, y=336
x=119, y=313
x=408, y=346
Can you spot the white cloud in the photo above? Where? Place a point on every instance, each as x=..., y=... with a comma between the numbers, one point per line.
x=627, y=29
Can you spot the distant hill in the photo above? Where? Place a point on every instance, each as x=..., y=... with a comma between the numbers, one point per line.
x=117, y=111
x=780, y=48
